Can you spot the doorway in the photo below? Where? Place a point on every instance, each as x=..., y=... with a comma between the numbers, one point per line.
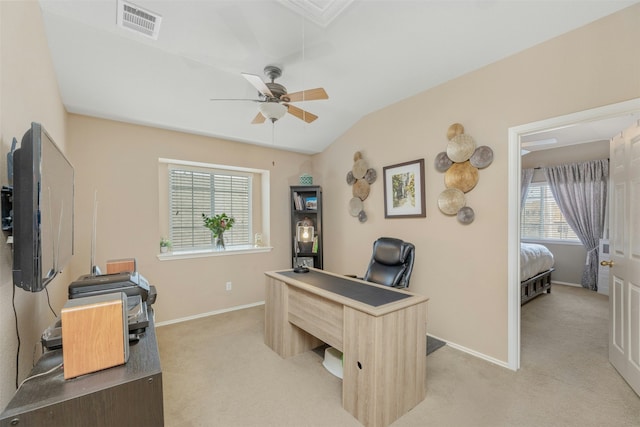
x=516, y=134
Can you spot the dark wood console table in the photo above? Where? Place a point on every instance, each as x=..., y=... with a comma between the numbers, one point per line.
x=126, y=395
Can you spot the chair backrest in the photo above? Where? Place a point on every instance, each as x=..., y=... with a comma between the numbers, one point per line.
x=391, y=263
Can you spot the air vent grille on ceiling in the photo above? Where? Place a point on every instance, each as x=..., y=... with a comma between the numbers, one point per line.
x=137, y=19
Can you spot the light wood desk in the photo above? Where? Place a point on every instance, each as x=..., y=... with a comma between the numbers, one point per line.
x=381, y=331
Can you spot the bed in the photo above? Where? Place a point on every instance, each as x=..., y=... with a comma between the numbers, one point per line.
x=536, y=265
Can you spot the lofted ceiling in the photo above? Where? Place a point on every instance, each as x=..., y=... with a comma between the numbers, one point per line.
x=366, y=55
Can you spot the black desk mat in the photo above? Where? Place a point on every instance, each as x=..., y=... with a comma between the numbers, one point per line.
x=361, y=292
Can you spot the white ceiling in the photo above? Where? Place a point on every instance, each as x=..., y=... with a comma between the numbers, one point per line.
x=372, y=54
x=579, y=133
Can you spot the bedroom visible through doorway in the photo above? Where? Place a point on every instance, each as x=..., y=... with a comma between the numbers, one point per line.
x=629, y=110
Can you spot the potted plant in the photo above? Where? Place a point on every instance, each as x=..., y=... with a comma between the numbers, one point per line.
x=218, y=224
x=165, y=244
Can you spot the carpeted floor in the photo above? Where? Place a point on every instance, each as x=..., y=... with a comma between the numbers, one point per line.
x=217, y=371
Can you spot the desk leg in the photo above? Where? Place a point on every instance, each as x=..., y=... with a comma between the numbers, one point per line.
x=281, y=336
x=384, y=364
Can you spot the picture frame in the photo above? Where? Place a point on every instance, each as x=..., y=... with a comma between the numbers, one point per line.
x=303, y=262
x=404, y=190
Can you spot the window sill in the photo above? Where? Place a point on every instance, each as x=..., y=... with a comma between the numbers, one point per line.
x=205, y=253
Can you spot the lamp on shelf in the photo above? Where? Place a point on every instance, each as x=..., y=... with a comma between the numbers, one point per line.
x=304, y=234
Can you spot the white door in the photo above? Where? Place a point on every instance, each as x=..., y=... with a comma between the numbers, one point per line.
x=624, y=277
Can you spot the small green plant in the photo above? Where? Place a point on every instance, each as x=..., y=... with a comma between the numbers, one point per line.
x=165, y=243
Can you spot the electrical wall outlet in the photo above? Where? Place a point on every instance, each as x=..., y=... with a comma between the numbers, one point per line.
x=228, y=286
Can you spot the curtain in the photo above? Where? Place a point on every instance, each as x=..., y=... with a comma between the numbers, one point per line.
x=580, y=190
x=527, y=176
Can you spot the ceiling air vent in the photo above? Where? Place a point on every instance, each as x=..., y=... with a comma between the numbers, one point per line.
x=139, y=20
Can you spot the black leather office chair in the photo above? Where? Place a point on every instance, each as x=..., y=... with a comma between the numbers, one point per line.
x=391, y=263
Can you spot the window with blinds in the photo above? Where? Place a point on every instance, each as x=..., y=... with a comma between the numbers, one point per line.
x=196, y=192
x=541, y=216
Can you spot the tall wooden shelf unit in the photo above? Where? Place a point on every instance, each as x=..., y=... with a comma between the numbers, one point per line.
x=302, y=208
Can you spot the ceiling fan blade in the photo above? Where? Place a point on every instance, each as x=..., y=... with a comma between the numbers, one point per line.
x=308, y=95
x=258, y=119
x=235, y=99
x=301, y=114
x=257, y=82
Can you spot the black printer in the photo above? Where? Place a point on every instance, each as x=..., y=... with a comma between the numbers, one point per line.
x=140, y=296
x=130, y=283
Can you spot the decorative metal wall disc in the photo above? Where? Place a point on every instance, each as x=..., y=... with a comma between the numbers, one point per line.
x=370, y=176
x=482, y=157
x=455, y=130
x=450, y=201
x=355, y=206
x=361, y=189
x=360, y=168
x=462, y=176
x=466, y=215
x=442, y=162
x=460, y=148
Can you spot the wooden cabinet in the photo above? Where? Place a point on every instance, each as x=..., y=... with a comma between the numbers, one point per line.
x=306, y=209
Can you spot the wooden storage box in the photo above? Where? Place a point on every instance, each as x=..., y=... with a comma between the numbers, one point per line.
x=95, y=333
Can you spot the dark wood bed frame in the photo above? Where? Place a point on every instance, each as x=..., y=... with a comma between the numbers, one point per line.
x=535, y=286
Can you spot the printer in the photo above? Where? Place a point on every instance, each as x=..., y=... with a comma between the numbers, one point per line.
x=140, y=296
x=131, y=283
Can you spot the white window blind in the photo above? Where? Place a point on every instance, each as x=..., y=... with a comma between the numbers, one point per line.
x=196, y=192
x=541, y=216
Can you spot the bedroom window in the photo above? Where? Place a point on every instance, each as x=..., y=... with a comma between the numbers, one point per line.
x=541, y=217
x=194, y=188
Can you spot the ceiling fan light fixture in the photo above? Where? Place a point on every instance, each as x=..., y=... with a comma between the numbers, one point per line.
x=272, y=110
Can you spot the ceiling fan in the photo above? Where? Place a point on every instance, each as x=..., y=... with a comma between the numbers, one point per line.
x=275, y=101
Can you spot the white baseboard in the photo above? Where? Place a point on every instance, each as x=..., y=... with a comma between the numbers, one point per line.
x=474, y=353
x=210, y=313
x=575, y=285
x=241, y=307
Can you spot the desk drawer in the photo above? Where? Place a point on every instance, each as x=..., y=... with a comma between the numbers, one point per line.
x=318, y=316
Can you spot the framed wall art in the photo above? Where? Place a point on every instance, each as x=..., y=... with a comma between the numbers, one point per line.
x=404, y=194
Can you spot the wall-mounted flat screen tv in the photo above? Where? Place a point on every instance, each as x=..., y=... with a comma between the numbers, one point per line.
x=43, y=190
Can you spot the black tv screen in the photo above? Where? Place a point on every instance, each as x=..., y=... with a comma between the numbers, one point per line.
x=43, y=190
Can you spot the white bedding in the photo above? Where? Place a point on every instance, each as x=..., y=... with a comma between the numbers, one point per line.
x=534, y=259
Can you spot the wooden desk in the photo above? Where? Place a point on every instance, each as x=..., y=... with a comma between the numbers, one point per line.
x=381, y=331
x=125, y=395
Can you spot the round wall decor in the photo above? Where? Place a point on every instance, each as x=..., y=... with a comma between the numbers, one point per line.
x=451, y=200
x=442, y=162
x=462, y=176
x=461, y=147
x=482, y=157
x=455, y=130
x=466, y=215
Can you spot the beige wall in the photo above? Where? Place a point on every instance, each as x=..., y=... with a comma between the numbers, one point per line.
x=464, y=268
x=119, y=163
x=28, y=92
